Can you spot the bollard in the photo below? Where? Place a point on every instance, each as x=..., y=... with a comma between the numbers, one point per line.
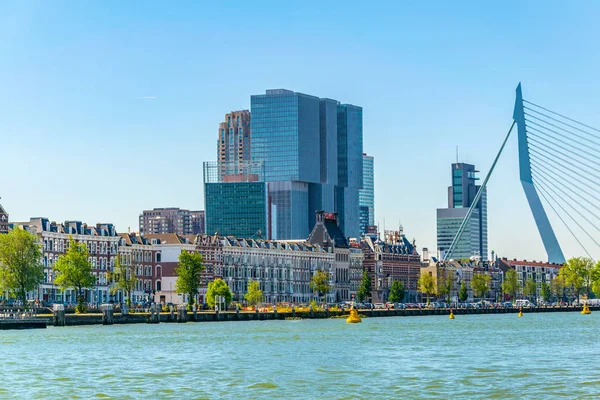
x=182, y=313
x=107, y=314
x=237, y=311
x=256, y=311
x=124, y=310
x=312, y=314
x=195, y=311
x=172, y=316
x=154, y=317
x=59, y=314
x=293, y=312
x=275, y=311
x=327, y=310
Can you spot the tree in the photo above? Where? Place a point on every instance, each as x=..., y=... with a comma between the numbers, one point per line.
x=254, y=294
x=577, y=273
x=596, y=279
x=124, y=278
x=218, y=287
x=396, y=292
x=20, y=267
x=445, y=285
x=510, y=286
x=463, y=294
x=427, y=285
x=558, y=286
x=480, y=283
x=189, y=274
x=364, y=291
x=530, y=289
x=320, y=283
x=74, y=270
x=545, y=291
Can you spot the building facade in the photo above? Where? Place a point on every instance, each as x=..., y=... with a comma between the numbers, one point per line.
x=312, y=154
x=233, y=145
x=367, y=194
x=538, y=271
x=236, y=207
x=137, y=254
x=102, y=242
x=171, y=220
x=474, y=240
x=3, y=220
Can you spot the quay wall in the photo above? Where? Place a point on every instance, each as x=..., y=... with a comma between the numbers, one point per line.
x=142, y=318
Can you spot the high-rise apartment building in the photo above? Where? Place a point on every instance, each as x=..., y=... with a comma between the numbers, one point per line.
x=233, y=145
x=473, y=241
x=171, y=220
x=312, y=154
x=367, y=194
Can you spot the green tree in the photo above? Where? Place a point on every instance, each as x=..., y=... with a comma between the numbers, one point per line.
x=445, y=285
x=124, y=278
x=189, y=274
x=427, y=285
x=596, y=279
x=530, y=289
x=218, y=287
x=510, y=286
x=577, y=273
x=558, y=286
x=254, y=294
x=463, y=294
x=20, y=267
x=545, y=291
x=396, y=292
x=480, y=283
x=320, y=283
x=364, y=291
x=74, y=270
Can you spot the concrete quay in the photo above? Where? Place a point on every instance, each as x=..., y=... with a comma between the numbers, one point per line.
x=175, y=317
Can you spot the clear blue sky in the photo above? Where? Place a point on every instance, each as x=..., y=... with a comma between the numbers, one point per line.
x=80, y=141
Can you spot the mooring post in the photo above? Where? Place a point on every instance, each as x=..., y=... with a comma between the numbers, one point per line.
x=107, y=314
x=182, y=313
x=59, y=314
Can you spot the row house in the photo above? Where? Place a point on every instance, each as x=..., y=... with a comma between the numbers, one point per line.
x=102, y=242
x=395, y=259
x=538, y=271
x=137, y=254
x=169, y=246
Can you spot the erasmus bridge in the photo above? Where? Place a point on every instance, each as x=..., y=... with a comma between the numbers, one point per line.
x=559, y=168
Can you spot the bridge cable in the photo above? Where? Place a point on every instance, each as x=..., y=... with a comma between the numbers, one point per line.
x=562, y=116
x=560, y=128
x=542, y=191
x=545, y=131
x=534, y=142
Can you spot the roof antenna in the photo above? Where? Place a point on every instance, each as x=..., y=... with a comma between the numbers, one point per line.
x=457, y=154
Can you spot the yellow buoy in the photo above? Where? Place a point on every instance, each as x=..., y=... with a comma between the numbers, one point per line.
x=520, y=312
x=353, y=318
x=586, y=309
x=451, y=314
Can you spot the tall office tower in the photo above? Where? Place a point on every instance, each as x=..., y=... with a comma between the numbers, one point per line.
x=171, y=220
x=233, y=145
x=473, y=241
x=367, y=194
x=297, y=137
x=350, y=168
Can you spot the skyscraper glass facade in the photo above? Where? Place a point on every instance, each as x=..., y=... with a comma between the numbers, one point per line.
x=236, y=206
x=367, y=194
x=474, y=240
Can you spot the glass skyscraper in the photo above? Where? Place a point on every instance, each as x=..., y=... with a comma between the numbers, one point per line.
x=474, y=240
x=367, y=194
x=312, y=154
x=236, y=204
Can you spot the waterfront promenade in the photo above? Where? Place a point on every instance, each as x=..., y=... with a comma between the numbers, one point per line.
x=175, y=317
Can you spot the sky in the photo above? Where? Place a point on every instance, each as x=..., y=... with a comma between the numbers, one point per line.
x=109, y=108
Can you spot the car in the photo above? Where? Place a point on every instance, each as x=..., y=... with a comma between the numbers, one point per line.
x=379, y=306
x=390, y=305
x=367, y=306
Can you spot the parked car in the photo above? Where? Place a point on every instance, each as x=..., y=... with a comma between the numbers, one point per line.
x=367, y=306
x=379, y=306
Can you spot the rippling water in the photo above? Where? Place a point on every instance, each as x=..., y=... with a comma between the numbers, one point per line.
x=477, y=356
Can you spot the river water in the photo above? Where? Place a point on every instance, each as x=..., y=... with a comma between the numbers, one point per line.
x=546, y=355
